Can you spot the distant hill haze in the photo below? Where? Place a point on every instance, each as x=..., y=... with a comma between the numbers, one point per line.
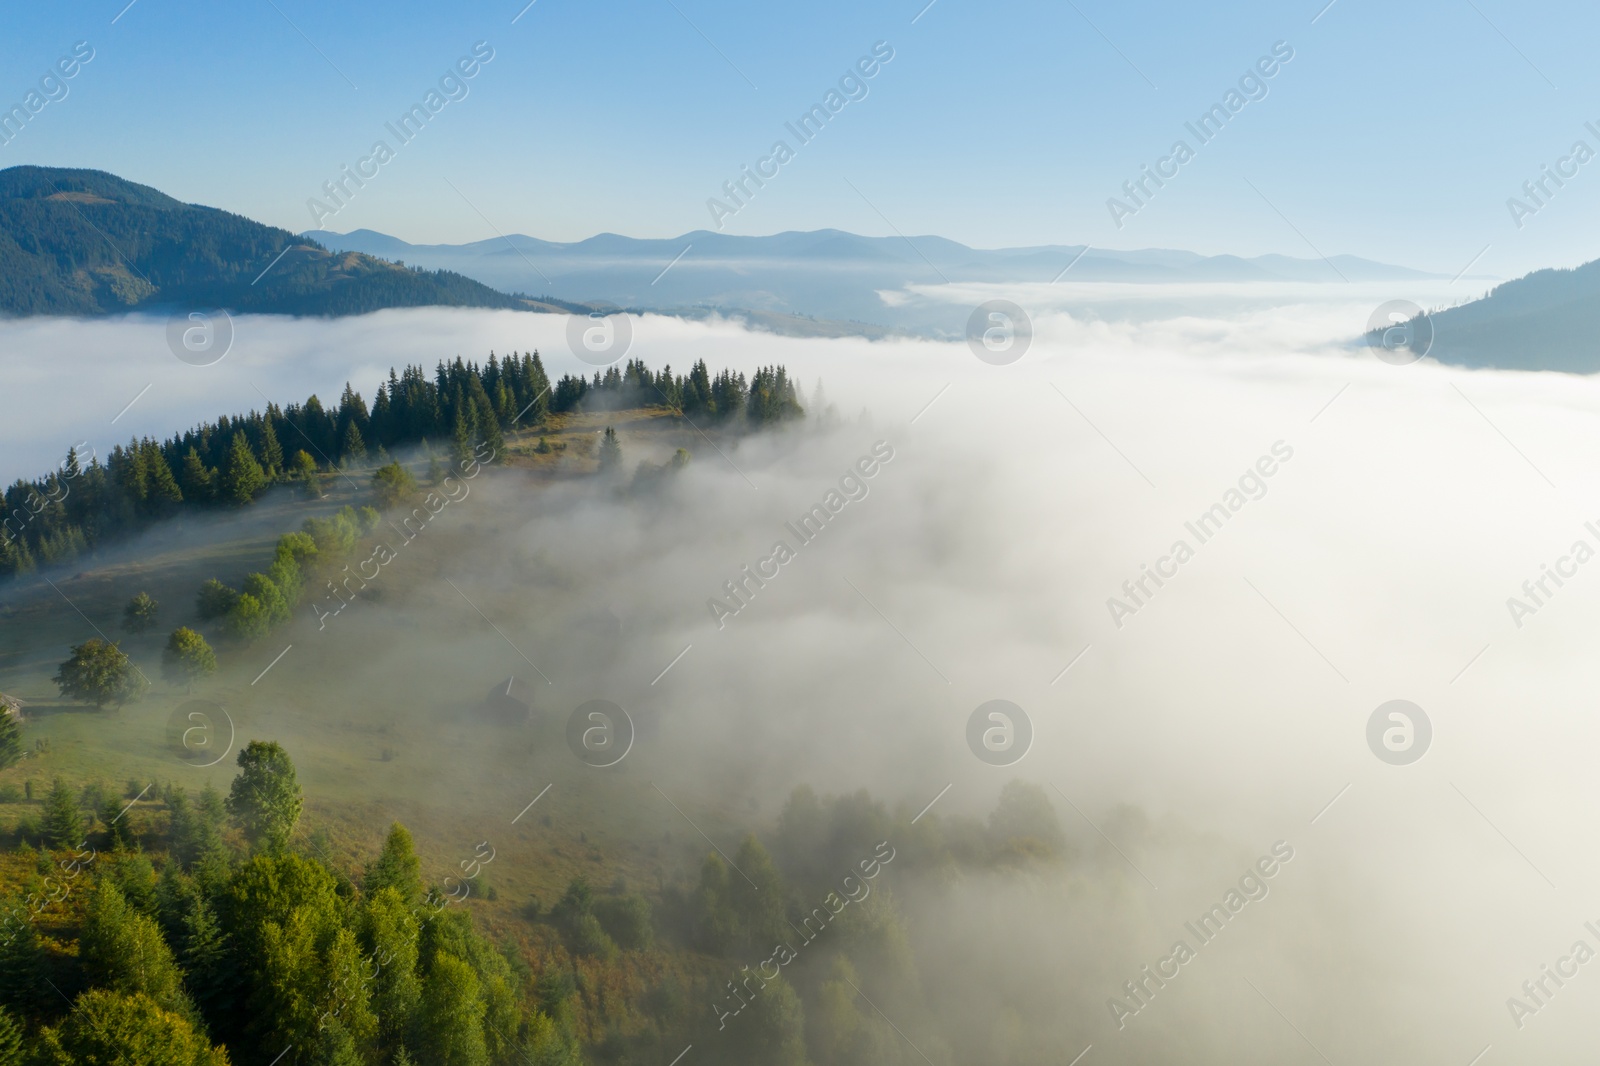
x=826, y=274
x=83, y=242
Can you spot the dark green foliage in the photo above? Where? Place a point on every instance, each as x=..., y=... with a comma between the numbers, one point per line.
x=63, y=825
x=119, y=830
x=184, y=253
x=626, y=919
x=234, y=457
x=198, y=481
x=265, y=799
x=215, y=599
x=352, y=450
x=100, y=673
x=10, y=738
x=11, y=1043
x=124, y=951
x=610, y=452
x=242, y=476
x=140, y=614
x=22, y=960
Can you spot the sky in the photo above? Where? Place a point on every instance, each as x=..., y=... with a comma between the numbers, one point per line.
x=1396, y=132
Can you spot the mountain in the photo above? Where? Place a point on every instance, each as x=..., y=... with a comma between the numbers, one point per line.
x=825, y=275
x=83, y=242
x=1547, y=320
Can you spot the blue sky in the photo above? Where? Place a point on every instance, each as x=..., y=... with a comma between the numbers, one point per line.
x=1395, y=132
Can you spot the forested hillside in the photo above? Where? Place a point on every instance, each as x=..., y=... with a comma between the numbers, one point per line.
x=92, y=501
x=83, y=242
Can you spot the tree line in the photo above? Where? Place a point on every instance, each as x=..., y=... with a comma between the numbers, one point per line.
x=234, y=459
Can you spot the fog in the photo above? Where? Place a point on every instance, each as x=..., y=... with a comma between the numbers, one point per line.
x=1225, y=714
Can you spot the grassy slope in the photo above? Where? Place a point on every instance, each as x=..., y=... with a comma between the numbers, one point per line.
x=452, y=781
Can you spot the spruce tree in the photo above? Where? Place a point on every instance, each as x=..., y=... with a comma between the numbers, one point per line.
x=63, y=825
x=610, y=452
x=198, y=480
x=353, y=449
x=11, y=1045
x=243, y=477
x=397, y=866
x=10, y=738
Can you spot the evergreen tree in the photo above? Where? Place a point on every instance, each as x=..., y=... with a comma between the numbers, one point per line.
x=11, y=1045
x=610, y=452
x=271, y=452
x=119, y=829
x=389, y=931
x=353, y=449
x=265, y=798
x=449, y=1027
x=10, y=737
x=187, y=658
x=243, y=477
x=124, y=951
x=161, y=492
x=207, y=968
x=397, y=866
x=198, y=481
x=22, y=961
x=461, y=439
x=63, y=825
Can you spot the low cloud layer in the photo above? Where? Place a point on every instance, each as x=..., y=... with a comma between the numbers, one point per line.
x=1223, y=714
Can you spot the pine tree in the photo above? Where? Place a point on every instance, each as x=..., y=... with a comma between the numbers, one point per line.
x=11, y=1045
x=22, y=960
x=610, y=452
x=10, y=737
x=396, y=867
x=489, y=428
x=353, y=449
x=461, y=439
x=199, y=480
x=243, y=476
x=123, y=950
x=271, y=451
x=161, y=488
x=63, y=825
x=208, y=972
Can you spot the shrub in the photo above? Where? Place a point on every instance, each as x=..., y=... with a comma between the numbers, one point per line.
x=626, y=919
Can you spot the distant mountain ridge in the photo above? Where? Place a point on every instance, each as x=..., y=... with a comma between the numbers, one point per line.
x=84, y=242
x=830, y=275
